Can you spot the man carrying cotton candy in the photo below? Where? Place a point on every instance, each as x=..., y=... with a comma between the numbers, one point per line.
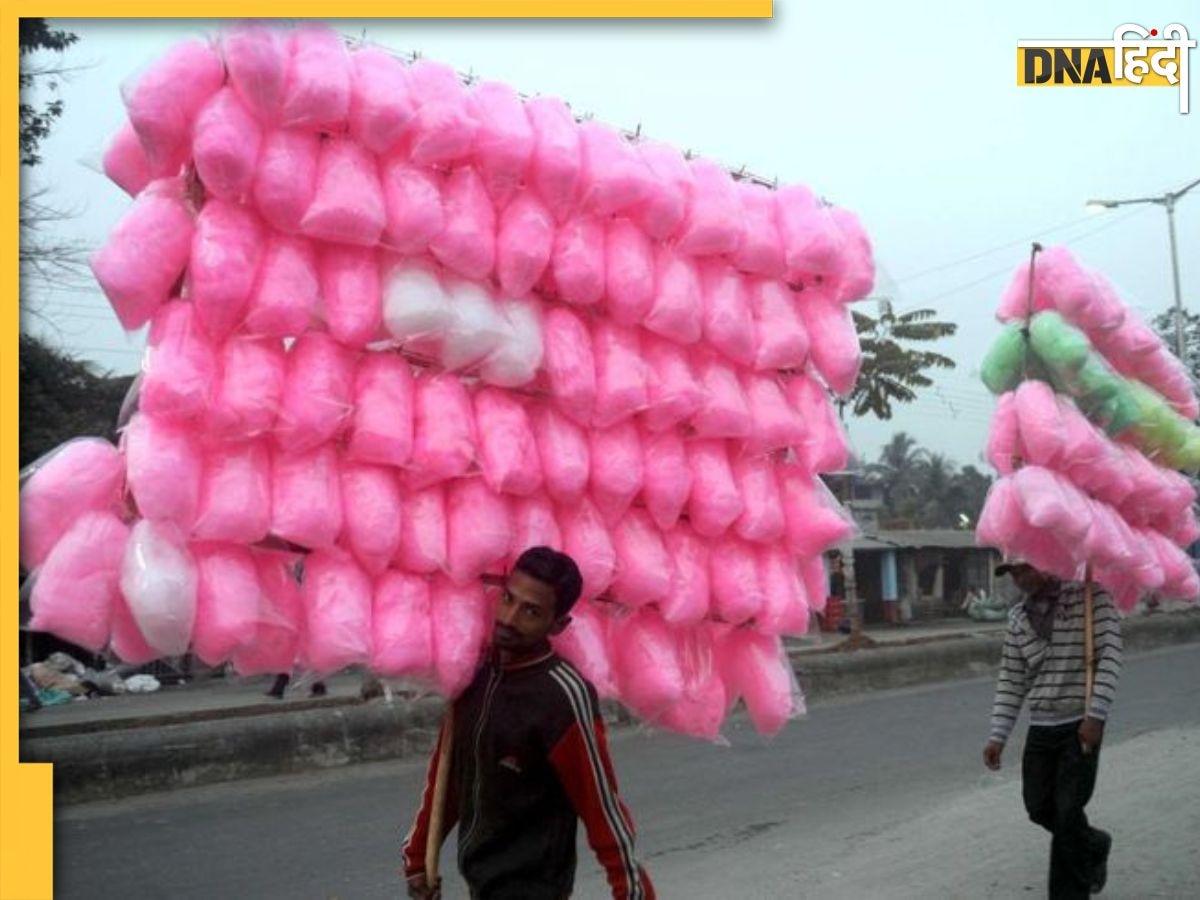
x=1046, y=656
x=522, y=757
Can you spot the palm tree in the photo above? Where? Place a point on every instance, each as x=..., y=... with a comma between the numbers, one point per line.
x=891, y=372
x=897, y=472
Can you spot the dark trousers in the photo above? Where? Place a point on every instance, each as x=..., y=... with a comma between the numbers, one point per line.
x=1057, y=779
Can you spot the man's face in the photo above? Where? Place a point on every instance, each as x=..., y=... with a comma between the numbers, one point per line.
x=1028, y=578
x=525, y=615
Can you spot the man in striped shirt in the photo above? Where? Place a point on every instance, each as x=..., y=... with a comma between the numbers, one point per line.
x=529, y=759
x=1044, y=662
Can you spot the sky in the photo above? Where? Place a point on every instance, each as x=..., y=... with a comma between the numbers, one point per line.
x=908, y=114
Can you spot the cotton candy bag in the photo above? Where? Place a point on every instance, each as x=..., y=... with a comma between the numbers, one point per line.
x=462, y=615
x=158, y=581
x=372, y=513
x=444, y=436
x=256, y=58
x=235, y=494
x=423, y=531
x=306, y=504
x=286, y=177
x=225, y=143
x=585, y=645
x=319, y=76
x=615, y=455
x=351, y=293
x=508, y=452
x=643, y=573
x=276, y=636
x=227, y=601
x=318, y=394
x=337, y=612
x=381, y=429
x=247, y=397
x=347, y=205
x=180, y=366
x=227, y=249
x=286, y=291
x=412, y=201
x=715, y=502
x=477, y=529
x=570, y=364
x=402, y=626
x=163, y=466
x=382, y=108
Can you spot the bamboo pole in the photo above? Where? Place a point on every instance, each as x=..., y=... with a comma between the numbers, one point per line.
x=433, y=842
x=1089, y=640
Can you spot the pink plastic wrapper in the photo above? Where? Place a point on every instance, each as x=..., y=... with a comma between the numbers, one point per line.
x=781, y=340
x=1003, y=443
x=285, y=296
x=816, y=582
x=444, y=436
x=82, y=476
x=616, y=469
x=462, y=625
x=1048, y=502
x=814, y=520
x=714, y=224
x=337, y=612
x=276, y=637
x=371, y=513
x=503, y=139
x=578, y=260
x=762, y=517
x=125, y=162
x=143, y=257
x=524, y=243
x=412, y=199
x=163, y=465
x=666, y=204
x=246, y=400
x=158, y=582
x=402, y=626
x=677, y=310
x=225, y=143
x=444, y=129
x=126, y=641
x=570, y=364
x=347, y=206
x=180, y=366
x=774, y=422
x=287, y=177
x=687, y=601
x=646, y=660
x=318, y=396
x=666, y=477
x=715, y=502
x=643, y=563
x=533, y=524
x=235, y=494
x=756, y=667
x=508, y=453
x=785, y=608
x=256, y=58
x=725, y=412
x=555, y=167
x=1001, y=517
x=79, y=583
x=467, y=242
x=227, y=249
x=423, y=531
x=227, y=595
x=705, y=702
x=381, y=430
x=614, y=176
x=673, y=392
x=164, y=100
x=737, y=591
x=306, y=498
x=562, y=448
x=382, y=108
x=858, y=274
x=586, y=540
x=351, y=293
x=761, y=250
x=728, y=319
x=620, y=374
x=835, y=353
x=628, y=272
x=812, y=242
x=824, y=448
x=516, y=361
x=1040, y=423
x=584, y=644
x=319, y=78
x=478, y=529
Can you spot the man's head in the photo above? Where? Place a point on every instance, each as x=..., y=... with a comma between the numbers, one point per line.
x=537, y=599
x=1026, y=577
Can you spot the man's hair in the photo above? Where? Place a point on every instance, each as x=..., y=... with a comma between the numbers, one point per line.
x=555, y=569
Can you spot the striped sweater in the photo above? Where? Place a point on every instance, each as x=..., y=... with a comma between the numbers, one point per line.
x=1050, y=674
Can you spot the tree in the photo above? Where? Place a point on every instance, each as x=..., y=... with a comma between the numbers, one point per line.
x=892, y=372
x=926, y=490
x=1164, y=326
x=896, y=473
x=36, y=121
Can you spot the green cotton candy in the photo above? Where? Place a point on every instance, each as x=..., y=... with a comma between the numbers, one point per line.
x=1004, y=365
x=1061, y=346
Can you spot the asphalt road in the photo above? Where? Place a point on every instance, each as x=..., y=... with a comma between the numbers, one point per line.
x=880, y=796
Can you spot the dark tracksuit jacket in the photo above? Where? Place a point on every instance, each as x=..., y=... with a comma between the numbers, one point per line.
x=530, y=759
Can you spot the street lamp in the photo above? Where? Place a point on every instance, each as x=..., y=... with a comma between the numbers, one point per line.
x=1166, y=200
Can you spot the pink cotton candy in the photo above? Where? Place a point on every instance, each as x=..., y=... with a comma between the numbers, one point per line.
x=180, y=366
x=781, y=340
x=126, y=642
x=816, y=582
x=227, y=602
x=318, y=395
x=628, y=273
x=503, y=139
x=759, y=667
x=508, y=454
x=585, y=645
x=382, y=108
x=646, y=659
x=256, y=58
x=423, y=531
x=515, y=362
x=246, y=400
x=143, y=257
x=287, y=291
x=467, y=242
x=462, y=619
x=714, y=224
x=1040, y=423
x=687, y=601
x=533, y=523
x=705, y=702
x=762, y=518
x=1001, y=518
x=286, y=179
x=351, y=293
x=824, y=448
x=724, y=412
x=578, y=260
x=125, y=162
x=317, y=92
x=620, y=374
x=402, y=626
x=673, y=392
x=444, y=129
x=306, y=499
x=79, y=581
x=158, y=581
x=371, y=514
x=1049, y=502
x=164, y=100
x=858, y=273
x=163, y=465
x=276, y=636
x=337, y=612
x=666, y=203
x=477, y=328
x=347, y=206
x=227, y=249
x=586, y=540
x=235, y=494
x=555, y=166
x=1003, y=443
x=225, y=143
x=814, y=520
x=785, y=607
x=677, y=310
x=478, y=529
x=412, y=199
x=834, y=342
x=616, y=469
x=761, y=250
x=728, y=319
x=715, y=502
x=570, y=364
x=737, y=592
x=523, y=244
x=562, y=447
x=666, y=477
x=381, y=430
x=614, y=176
x=444, y=436
x=812, y=242
x=643, y=564
x=83, y=475
x=774, y=422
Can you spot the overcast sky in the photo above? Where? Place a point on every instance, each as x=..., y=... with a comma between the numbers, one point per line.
x=907, y=113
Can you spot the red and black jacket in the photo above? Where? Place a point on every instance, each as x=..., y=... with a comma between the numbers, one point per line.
x=530, y=759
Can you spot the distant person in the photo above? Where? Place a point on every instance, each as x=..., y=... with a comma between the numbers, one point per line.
x=1043, y=661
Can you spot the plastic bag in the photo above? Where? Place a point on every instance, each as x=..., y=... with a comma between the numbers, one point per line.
x=306, y=500
x=646, y=660
x=714, y=223
x=643, y=565
x=235, y=494
x=381, y=430
x=724, y=413
x=247, y=397
x=516, y=360
x=414, y=303
x=225, y=143
x=163, y=465
x=462, y=619
x=570, y=364
x=423, y=531
x=412, y=200
x=508, y=454
x=781, y=340
x=287, y=290
x=578, y=259
x=586, y=540
x=835, y=353
x=555, y=167
x=715, y=502
x=227, y=249
x=616, y=469
x=762, y=518
x=562, y=448
x=857, y=277
x=614, y=178
x=1004, y=449
x=180, y=366
x=785, y=607
x=620, y=374
x=347, y=205
x=318, y=396
x=478, y=529
x=350, y=293
x=337, y=612
x=533, y=524
x=524, y=242
x=371, y=514
x=812, y=242
x=227, y=595
x=814, y=520
x=673, y=393
x=677, y=311
x=444, y=435
x=158, y=581
x=824, y=448
x=666, y=203
x=687, y=600
x=256, y=58
x=467, y=242
x=402, y=626
x=444, y=129
x=728, y=321
x=125, y=162
x=287, y=177
x=126, y=641
x=737, y=591
x=666, y=477
x=757, y=667
x=774, y=423
x=317, y=91
x=628, y=272
x=382, y=108
x=477, y=328
x=1040, y=423
x=705, y=702
x=1008, y=360
x=276, y=637
x=503, y=139
x=761, y=249
x=585, y=645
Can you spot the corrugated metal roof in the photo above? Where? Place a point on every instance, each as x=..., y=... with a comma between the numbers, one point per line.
x=945, y=539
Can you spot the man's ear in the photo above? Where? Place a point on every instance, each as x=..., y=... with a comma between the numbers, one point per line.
x=559, y=625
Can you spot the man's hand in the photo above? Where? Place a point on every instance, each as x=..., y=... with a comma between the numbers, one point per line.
x=991, y=754
x=419, y=888
x=1091, y=732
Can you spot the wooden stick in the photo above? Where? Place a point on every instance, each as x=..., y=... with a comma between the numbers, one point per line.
x=1089, y=640
x=433, y=843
